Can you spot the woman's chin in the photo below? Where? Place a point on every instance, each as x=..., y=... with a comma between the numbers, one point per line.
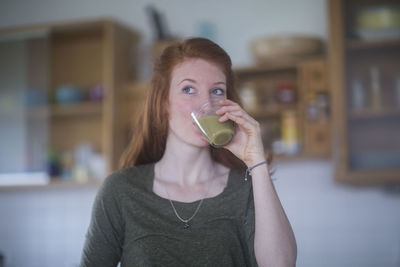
x=201, y=141
x=204, y=139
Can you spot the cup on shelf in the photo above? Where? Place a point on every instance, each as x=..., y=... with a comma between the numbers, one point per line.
x=248, y=97
x=69, y=94
x=96, y=93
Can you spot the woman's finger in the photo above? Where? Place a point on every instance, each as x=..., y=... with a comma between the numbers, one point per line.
x=230, y=108
x=228, y=102
x=242, y=122
x=241, y=114
x=236, y=110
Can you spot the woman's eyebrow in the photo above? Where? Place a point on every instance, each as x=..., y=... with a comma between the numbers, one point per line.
x=189, y=80
x=193, y=81
x=223, y=83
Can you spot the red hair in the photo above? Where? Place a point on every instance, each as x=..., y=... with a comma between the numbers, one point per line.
x=150, y=134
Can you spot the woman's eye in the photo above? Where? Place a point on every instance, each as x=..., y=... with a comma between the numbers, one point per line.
x=218, y=91
x=189, y=90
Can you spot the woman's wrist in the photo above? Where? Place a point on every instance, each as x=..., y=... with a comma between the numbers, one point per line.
x=261, y=165
x=254, y=161
x=260, y=173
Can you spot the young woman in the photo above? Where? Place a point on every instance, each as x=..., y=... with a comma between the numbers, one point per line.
x=178, y=201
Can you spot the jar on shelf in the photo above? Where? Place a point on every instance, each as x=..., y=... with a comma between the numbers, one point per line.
x=285, y=92
x=248, y=96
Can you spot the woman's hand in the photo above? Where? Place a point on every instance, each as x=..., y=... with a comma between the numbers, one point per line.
x=247, y=143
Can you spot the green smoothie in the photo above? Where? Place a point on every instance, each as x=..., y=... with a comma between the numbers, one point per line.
x=218, y=133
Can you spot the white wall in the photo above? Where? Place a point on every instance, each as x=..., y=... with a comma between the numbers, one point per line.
x=44, y=228
x=236, y=22
x=337, y=225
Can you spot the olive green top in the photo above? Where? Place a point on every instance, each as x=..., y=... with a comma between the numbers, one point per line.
x=132, y=225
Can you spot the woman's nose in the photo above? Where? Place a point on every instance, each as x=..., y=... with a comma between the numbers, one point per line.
x=205, y=96
x=208, y=97
x=202, y=97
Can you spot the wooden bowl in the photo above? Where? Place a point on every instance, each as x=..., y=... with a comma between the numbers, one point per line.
x=285, y=48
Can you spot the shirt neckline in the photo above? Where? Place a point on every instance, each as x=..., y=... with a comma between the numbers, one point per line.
x=150, y=184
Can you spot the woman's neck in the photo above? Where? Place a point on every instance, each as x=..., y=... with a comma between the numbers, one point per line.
x=185, y=164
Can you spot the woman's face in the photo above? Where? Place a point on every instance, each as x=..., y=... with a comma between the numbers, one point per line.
x=192, y=82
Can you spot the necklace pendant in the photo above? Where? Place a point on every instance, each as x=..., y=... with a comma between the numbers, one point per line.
x=186, y=225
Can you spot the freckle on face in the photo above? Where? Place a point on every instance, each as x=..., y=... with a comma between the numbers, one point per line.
x=185, y=108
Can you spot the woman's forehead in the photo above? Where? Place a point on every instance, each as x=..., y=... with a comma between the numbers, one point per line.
x=197, y=69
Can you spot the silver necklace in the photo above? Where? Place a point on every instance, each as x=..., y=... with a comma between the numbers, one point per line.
x=186, y=224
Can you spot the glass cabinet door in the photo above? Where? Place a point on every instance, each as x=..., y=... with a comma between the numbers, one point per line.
x=23, y=107
x=364, y=64
x=373, y=84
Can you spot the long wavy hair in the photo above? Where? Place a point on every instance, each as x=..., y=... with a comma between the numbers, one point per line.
x=150, y=133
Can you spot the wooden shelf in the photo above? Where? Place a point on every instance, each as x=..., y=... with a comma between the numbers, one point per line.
x=67, y=110
x=55, y=183
x=356, y=44
x=62, y=183
x=372, y=114
x=260, y=69
x=76, y=109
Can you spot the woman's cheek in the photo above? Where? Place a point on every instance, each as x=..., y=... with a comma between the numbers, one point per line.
x=185, y=109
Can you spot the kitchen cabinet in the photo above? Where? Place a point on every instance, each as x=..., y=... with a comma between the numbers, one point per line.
x=291, y=101
x=364, y=67
x=71, y=77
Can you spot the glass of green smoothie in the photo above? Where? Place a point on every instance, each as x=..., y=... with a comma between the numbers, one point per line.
x=218, y=134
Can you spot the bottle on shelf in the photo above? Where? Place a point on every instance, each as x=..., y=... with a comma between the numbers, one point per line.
x=358, y=95
x=398, y=91
x=290, y=133
x=376, y=99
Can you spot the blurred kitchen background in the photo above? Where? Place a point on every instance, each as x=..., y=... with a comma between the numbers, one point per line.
x=322, y=77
